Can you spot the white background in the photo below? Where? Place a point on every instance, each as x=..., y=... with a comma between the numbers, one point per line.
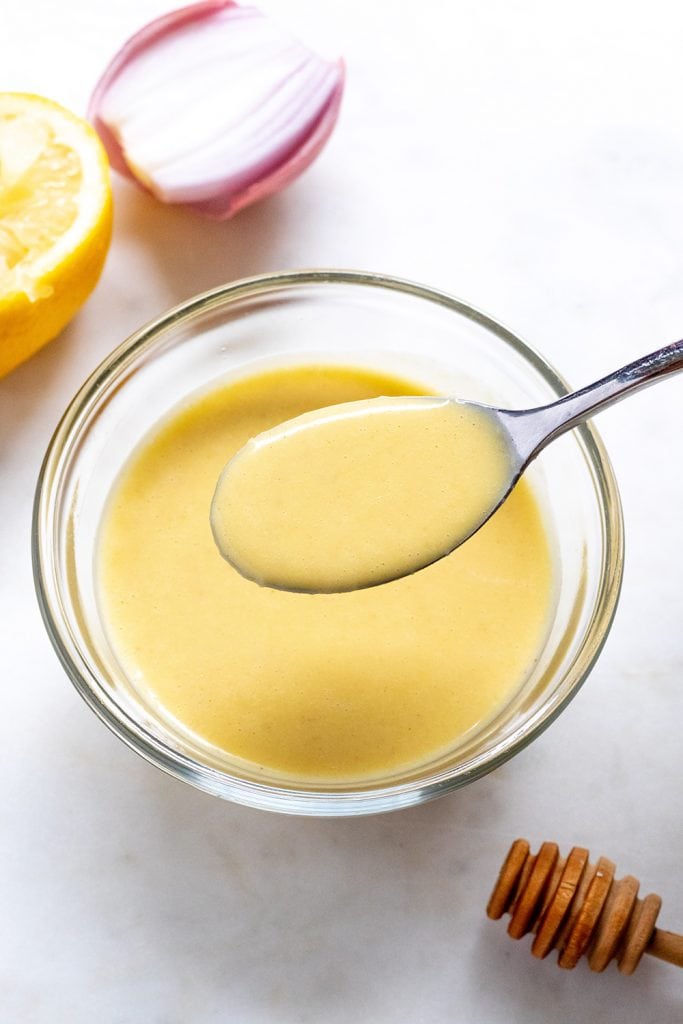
x=527, y=157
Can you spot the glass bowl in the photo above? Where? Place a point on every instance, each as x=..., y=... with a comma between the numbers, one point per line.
x=338, y=317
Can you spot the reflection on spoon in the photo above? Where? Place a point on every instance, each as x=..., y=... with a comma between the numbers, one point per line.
x=364, y=493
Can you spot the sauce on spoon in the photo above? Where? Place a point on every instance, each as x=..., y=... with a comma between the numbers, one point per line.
x=370, y=492
x=358, y=494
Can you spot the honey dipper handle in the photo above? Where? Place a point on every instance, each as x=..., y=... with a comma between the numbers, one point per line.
x=666, y=946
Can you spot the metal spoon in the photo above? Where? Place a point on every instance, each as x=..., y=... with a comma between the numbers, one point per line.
x=531, y=430
x=523, y=432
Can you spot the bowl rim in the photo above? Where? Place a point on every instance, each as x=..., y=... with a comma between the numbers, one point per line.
x=338, y=802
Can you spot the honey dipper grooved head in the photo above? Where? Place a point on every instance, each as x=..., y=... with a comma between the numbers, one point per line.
x=578, y=908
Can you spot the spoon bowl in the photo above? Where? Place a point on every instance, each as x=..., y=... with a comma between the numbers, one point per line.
x=361, y=494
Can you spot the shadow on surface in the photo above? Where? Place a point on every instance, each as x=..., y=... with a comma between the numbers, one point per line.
x=190, y=254
x=515, y=983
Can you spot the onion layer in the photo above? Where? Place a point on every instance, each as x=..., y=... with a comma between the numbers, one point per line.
x=215, y=106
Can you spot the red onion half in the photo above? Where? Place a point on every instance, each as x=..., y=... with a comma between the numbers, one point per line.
x=215, y=106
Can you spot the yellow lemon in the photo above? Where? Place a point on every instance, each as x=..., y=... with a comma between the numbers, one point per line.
x=55, y=221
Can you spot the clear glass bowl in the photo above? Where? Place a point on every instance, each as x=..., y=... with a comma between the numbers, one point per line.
x=300, y=317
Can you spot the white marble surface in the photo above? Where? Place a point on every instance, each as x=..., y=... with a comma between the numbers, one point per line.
x=528, y=157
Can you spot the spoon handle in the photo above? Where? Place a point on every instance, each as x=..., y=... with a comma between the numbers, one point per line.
x=547, y=422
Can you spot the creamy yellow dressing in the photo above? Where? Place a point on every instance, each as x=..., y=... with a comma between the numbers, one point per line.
x=331, y=687
x=360, y=493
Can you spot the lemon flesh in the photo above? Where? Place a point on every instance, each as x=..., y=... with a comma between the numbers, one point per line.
x=55, y=221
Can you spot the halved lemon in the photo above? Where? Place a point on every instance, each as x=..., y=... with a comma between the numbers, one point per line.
x=55, y=221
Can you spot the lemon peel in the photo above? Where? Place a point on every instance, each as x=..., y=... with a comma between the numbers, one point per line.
x=55, y=221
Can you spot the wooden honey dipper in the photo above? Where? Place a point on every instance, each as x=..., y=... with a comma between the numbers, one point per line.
x=577, y=907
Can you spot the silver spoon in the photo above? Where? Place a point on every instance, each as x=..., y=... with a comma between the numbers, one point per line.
x=531, y=430
x=524, y=433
